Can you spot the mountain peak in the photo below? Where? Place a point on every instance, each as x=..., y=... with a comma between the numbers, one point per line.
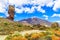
x=36, y=20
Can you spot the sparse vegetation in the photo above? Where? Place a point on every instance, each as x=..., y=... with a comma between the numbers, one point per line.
x=54, y=25
x=5, y=23
x=47, y=35
x=7, y=26
x=19, y=25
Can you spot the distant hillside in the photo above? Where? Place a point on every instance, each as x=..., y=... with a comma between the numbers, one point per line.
x=34, y=21
x=7, y=26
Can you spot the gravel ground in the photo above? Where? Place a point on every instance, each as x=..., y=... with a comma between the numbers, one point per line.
x=2, y=37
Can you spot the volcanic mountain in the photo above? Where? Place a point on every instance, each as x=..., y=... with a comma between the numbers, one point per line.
x=34, y=21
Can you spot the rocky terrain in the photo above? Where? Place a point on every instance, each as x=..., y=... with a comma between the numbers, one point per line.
x=35, y=21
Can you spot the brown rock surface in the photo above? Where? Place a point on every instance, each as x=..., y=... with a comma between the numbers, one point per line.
x=11, y=13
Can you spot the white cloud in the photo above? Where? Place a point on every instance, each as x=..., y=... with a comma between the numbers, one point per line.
x=56, y=5
x=24, y=9
x=19, y=10
x=40, y=9
x=2, y=9
x=55, y=15
x=18, y=3
x=50, y=4
x=29, y=10
x=46, y=17
x=34, y=17
x=6, y=13
x=42, y=2
x=58, y=21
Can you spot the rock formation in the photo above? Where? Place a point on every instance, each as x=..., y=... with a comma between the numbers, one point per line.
x=11, y=12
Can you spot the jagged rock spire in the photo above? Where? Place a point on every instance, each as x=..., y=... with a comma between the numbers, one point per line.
x=11, y=12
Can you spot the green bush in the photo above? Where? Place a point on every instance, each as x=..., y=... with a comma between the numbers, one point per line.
x=19, y=25
x=5, y=23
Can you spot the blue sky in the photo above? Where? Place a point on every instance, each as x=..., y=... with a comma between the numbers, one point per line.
x=44, y=9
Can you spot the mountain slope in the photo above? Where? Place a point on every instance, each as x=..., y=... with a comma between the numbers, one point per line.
x=36, y=21
x=7, y=26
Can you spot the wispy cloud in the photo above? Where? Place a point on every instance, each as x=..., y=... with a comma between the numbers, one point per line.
x=34, y=17
x=55, y=15
x=46, y=17
x=58, y=21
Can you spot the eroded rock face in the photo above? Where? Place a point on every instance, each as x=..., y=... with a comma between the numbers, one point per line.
x=11, y=12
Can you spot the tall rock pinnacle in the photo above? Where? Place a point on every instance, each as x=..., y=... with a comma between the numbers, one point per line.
x=11, y=12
